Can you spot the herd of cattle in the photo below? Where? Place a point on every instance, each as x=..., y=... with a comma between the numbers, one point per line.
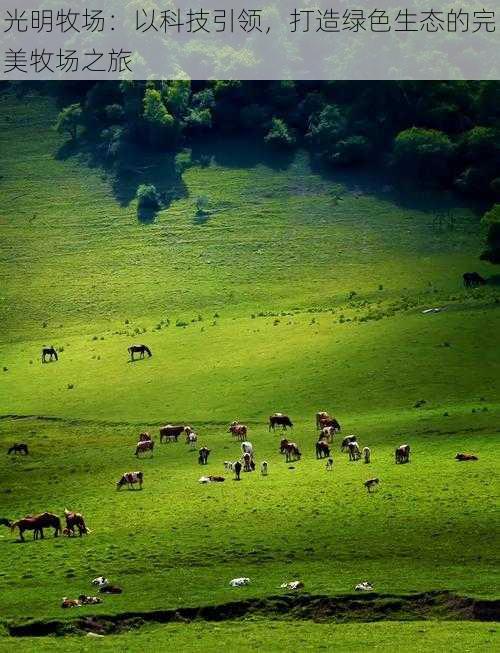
x=327, y=426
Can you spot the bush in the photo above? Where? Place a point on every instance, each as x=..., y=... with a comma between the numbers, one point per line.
x=423, y=152
x=492, y=220
x=147, y=197
x=279, y=135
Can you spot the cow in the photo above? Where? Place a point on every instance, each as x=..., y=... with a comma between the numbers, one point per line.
x=322, y=449
x=237, y=469
x=371, y=484
x=354, y=452
x=402, y=454
x=130, y=479
x=330, y=421
x=327, y=433
x=264, y=467
x=143, y=446
x=144, y=436
x=329, y=465
x=70, y=603
x=466, y=456
x=247, y=447
x=292, y=452
x=473, y=279
x=247, y=462
x=367, y=454
x=171, y=432
x=238, y=430
x=228, y=466
x=191, y=438
x=279, y=419
x=346, y=441
x=320, y=416
x=203, y=455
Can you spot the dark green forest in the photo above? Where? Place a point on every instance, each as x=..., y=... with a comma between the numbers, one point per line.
x=428, y=134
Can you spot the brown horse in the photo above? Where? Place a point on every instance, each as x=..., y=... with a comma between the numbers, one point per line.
x=18, y=447
x=50, y=352
x=75, y=519
x=139, y=349
x=37, y=523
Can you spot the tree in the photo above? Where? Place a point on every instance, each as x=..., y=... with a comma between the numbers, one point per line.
x=177, y=94
x=279, y=135
x=326, y=129
x=352, y=150
x=492, y=220
x=69, y=119
x=147, y=197
x=424, y=153
x=161, y=124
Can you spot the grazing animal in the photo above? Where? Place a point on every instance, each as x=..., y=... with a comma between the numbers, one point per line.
x=89, y=600
x=5, y=522
x=239, y=582
x=171, y=432
x=321, y=415
x=329, y=465
x=237, y=469
x=144, y=437
x=247, y=447
x=50, y=352
x=139, y=349
x=402, y=454
x=322, y=449
x=143, y=446
x=371, y=484
x=264, y=468
x=346, y=441
x=130, y=479
x=278, y=419
x=292, y=452
x=354, y=452
x=466, y=456
x=37, y=523
x=70, y=603
x=203, y=455
x=100, y=581
x=330, y=421
x=247, y=462
x=283, y=445
x=18, y=447
x=238, y=430
x=327, y=433
x=473, y=279
x=191, y=439
x=367, y=454
x=75, y=519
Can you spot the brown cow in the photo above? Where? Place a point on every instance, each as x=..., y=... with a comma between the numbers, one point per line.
x=402, y=454
x=292, y=452
x=320, y=416
x=322, y=449
x=171, y=432
x=346, y=441
x=238, y=430
x=330, y=421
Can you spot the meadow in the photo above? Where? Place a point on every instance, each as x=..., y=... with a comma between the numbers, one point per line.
x=299, y=292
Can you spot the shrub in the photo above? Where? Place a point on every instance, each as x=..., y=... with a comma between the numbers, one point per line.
x=280, y=134
x=147, y=197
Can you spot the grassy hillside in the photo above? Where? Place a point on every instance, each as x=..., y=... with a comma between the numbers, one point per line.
x=299, y=292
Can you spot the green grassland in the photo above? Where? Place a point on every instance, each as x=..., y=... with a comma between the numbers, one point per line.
x=298, y=293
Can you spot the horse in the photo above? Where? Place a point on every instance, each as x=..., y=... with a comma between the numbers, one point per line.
x=278, y=419
x=473, y=279
x=171, y=432
x=50, y=352
x=143, y=446
x=18, y=447
x=402, y=454
x=37, y=523
x=139, y=349
x=322, y=449
x=130, y=478
x=203, y=455
x=75, y=519
x=238, y=430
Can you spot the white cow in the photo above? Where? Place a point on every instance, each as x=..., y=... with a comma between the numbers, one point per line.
x=247, y=447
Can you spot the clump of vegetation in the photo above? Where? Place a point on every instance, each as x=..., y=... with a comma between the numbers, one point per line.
x=147, y=197
x=280, y=134
x=71, y=386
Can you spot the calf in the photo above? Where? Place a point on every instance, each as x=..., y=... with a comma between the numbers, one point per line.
x=237, y=469
x=366, y=454
x=345, y=442
x=203, y=455
x=466, y=456
x=264, y=468
x=354, y=452
x=329, y=465
x=371, y=484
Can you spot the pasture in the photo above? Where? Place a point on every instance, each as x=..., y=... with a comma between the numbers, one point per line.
x=286, y=298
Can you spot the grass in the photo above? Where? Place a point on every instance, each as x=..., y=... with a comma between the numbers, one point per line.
x=285, y=298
